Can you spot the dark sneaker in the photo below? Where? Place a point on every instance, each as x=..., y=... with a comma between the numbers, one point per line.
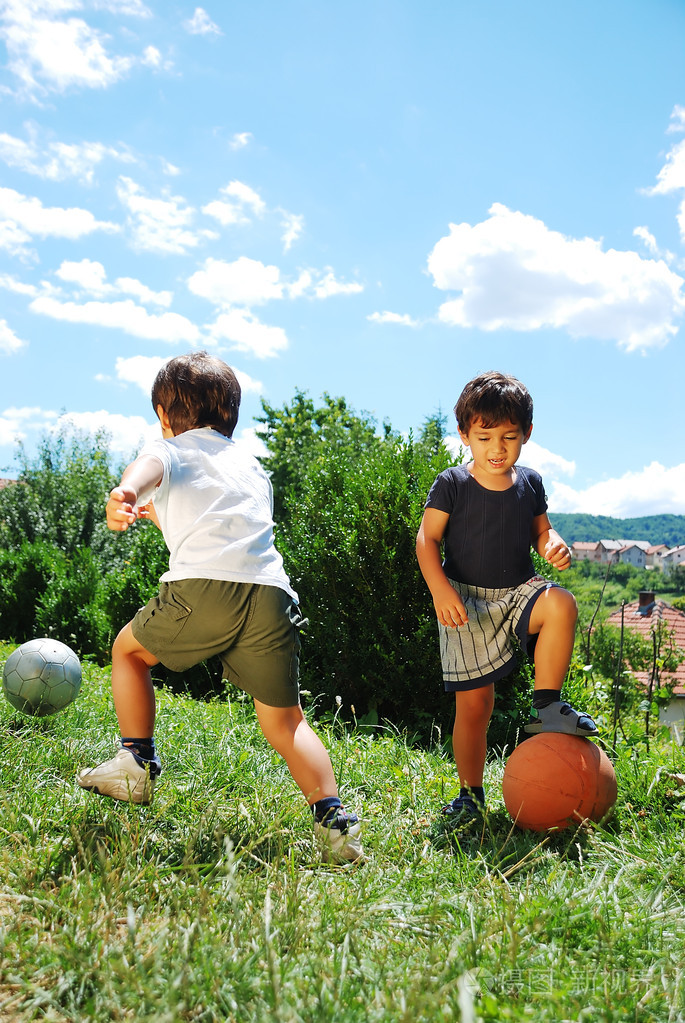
x=123, y=777
x=463, y=808
x=560, y=717
x=338, y=839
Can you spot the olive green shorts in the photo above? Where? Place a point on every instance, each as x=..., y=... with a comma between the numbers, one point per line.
x=252, y=628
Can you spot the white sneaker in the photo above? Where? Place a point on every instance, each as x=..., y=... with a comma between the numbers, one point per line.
x=122, y=777
x=340, y=842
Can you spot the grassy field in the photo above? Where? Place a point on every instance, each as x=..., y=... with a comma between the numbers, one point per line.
x=210, y=905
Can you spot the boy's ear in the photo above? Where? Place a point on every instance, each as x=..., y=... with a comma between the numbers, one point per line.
x=526, y=436
x=163, y=418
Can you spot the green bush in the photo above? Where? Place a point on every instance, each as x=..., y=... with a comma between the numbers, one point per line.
x=25, y=575
x=350, y=552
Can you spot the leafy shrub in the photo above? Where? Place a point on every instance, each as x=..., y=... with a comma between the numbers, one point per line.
x=350, y=551
x=25, y=575
x=68, y=607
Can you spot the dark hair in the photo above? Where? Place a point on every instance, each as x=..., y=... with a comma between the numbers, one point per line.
x=494, y=398
x=198, y=390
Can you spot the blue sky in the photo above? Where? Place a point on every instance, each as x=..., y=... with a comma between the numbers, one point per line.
x=375, y=200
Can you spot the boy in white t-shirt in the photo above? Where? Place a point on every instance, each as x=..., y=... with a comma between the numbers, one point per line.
x=226, y=593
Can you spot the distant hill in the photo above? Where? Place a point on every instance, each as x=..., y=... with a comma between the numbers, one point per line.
x=668, y=529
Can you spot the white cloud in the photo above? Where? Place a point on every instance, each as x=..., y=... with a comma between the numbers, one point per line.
x=132, y=8
x=249, y=282
x=248, y=334
x=238, y=197
x=140, y=370
x=548, y=464
x=159, y=225
x=47, y=54
x=293, y=226
x=250, y=440
x=647, y=239
x=329, y=285
x=533, y=455
x=90, y=277
x=87, y=274
x=123, y=315
x=677, y=123
x=9, y=342
x=131, y=286
x=513, y=272
x=201, y=24
x=240, y=140
x=57, y=161
x=16, y=422
x=671, y=177
x=151, y=57
x=22, y=217
x=127, y=434
x=402, y=319
x=299, y=287
x=248, y=384
x=244, y=282
x=170, y=169
x=10, y=283
x=654, y=490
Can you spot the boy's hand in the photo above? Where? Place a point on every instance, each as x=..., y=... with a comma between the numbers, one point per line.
x=121, y=509
x=450, y=609
x=558, y=554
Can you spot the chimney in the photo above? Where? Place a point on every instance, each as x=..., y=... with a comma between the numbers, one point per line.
x=645, y=602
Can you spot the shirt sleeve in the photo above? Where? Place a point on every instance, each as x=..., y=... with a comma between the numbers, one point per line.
x=441, y=495
x=159, y=449
x=538, y=488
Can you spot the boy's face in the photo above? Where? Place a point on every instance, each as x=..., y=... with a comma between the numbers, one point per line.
x=495, y=450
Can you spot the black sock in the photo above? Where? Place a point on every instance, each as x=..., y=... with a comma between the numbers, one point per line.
x=543, y=697
x=476, y=792
x=142, y=749
x=325, y=809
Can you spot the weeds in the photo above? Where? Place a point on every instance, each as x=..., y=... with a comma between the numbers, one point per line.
x=210, y=905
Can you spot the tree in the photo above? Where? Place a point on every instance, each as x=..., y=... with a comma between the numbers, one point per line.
x=60, y=493
x=300, y=435
x=350, y=552
x=55, y=548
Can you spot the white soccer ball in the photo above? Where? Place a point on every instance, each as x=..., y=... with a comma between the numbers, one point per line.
x=41, y=677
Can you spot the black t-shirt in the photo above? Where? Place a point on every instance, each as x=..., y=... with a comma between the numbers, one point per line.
x=488, y=536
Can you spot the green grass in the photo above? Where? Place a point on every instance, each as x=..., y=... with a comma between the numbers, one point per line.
x=210, y=905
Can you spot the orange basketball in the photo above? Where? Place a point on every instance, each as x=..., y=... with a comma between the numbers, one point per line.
x=552, y=780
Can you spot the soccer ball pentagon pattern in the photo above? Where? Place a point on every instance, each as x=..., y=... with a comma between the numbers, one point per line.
x=41, y=677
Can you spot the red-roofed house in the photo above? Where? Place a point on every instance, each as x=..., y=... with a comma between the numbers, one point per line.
x=643, y=616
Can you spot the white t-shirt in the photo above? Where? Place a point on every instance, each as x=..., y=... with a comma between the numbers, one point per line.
x=215, y=507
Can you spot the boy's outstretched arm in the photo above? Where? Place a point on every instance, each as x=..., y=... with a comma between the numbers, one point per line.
x=449, y=606
x=138, y=483
x=549, y=544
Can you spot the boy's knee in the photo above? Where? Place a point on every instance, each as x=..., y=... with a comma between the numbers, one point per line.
x=559, y=601
x=568, y=602
x=126, y=645
x=476, y=704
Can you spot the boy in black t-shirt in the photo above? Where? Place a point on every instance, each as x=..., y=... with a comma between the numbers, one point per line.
x=487, y=514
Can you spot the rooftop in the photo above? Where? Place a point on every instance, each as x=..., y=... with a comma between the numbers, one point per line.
x=642, y=616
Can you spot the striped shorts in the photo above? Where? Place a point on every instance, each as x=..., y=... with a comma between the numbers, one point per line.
x=484, y=650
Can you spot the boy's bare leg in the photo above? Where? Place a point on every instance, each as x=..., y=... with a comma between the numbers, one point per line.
x=553, y=618
x=469, y=736
x=132, y=689
x=131, y=774
x=286, y=729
